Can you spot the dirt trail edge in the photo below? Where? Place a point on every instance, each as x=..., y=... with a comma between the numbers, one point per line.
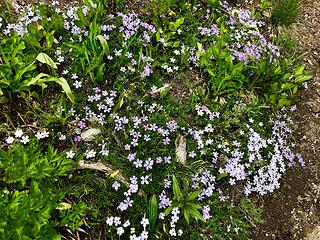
x=293, y=212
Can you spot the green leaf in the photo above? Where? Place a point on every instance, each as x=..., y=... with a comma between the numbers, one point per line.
x=153, y=212
x=168, y=210
x=104, y=44
x=222, y=175
x=303, y=78
x=195, y=213
x=36, y=80
x=178, y=23
x=176, y=189
x=158, y=36
x=63, y=206
x=186, y=215
x=100, y=72
x=194, y=205
x=164, y=90
x=64, y=84
x=44, y=58
x=284, y=102
x=22, y=71
x=299, y=71
x=194, y=195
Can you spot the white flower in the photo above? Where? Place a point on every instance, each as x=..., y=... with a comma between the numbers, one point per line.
x=25, y=139
x=175, y=211
x=74, y=76
x=10, y=140
x=45, y=134
x=180, y=232
x=126, y=224
x=70, y=154
x=90, y=154
x=120, y=231
x=18, y=133
x=62, y=137
x=162, y=216
x=41, y=135
x=77, y=84
x=144, y=222
x=145, y=180
x=117, y=221
x=116, y=185
x=172, y=232
x=144, y=235
x=109, y=221
x=38, y=135
x=64, y=72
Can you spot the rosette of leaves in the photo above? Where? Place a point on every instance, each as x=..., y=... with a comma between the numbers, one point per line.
x=186, y=201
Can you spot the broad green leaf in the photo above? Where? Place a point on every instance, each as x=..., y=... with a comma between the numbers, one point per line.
x=100, y=72
x=22, y=71
x=158, y=36
x=303, y=78
x=176, y=44
x=64, y=84
x=186, y=215
x=164, y=90
x=284, y=102
x=104, y=44
x=194, y=205
x=153, y=212
x=178, y=23
x=44, y=58
x=299, y=71
x=194, y=195
x=195, y=213
x=36, y=80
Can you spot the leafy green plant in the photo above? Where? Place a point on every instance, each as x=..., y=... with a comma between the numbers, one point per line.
x=25, y=214
x=91, y=53
x=186, y=201
x=18, y=71
x=279, y=81
x=227, y=76
x=71, y=216
x=22, y=163
x=285, y=12
x=40, y=38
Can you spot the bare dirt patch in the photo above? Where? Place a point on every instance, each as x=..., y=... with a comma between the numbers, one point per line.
x=293, y=212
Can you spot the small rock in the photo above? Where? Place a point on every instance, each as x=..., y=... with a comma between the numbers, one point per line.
x=89, y=134
x=181, y=152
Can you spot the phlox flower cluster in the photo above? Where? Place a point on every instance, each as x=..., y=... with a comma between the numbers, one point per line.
x=246, y=42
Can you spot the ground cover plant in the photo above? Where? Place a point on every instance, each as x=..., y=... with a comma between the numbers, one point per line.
x=155, y=126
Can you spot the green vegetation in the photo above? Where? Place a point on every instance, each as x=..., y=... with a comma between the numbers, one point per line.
x=285, y=12
x=155, y=126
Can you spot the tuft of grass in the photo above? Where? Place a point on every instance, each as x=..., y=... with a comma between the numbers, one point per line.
x=285, y=12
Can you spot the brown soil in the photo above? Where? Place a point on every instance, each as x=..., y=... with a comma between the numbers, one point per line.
x=293, y=212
